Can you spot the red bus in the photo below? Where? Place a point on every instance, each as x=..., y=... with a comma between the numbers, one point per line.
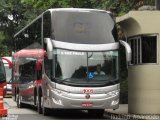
x=26, y=70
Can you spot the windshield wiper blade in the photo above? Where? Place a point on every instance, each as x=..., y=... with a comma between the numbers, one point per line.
x=61, y=80
x=112, y=82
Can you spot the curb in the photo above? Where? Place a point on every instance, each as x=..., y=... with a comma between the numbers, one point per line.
x=123, y=116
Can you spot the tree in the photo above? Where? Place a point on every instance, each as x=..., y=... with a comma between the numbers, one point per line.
x=13, y=16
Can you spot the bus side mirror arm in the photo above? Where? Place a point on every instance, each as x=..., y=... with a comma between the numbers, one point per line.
x=49, y=48
x=127, y=49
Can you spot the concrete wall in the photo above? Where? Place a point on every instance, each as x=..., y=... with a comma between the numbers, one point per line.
x=140, y=22
x=144, y=89
x=144, y=79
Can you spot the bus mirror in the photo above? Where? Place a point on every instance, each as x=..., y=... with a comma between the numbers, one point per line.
x=49, y=48
x=127, y=49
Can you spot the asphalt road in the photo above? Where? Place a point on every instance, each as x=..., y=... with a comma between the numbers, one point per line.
x=30, y=113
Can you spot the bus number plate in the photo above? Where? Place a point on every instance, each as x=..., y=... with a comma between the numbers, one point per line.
x=87, y=104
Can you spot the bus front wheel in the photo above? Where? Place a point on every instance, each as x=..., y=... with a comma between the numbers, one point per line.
x=39, y=104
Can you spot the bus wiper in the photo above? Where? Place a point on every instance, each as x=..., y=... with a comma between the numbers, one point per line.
x=112, y=81
x=62, y=80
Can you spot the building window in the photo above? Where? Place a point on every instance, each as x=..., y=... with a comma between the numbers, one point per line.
x=144, y=49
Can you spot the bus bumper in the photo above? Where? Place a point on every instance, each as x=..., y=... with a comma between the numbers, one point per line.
x=61, y=100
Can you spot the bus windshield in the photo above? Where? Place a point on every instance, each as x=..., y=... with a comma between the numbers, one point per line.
x=86, y=67
x=27, y=68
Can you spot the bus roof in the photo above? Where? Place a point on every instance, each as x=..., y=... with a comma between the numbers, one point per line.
x=79, y=9
x=36, y=53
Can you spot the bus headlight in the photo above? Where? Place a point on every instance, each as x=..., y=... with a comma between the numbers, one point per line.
x=56, y=91
x=55, y=98
x=113, y=93
x=57, y=101
x=114, y=102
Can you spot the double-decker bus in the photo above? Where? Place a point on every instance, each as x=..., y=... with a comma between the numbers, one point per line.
x=79, y=65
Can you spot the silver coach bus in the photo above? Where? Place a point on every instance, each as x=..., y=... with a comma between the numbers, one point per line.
x=80, y=69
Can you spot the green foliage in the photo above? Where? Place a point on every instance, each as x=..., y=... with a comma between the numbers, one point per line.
x=2, y=37
x=124, y=91
x=4, y=50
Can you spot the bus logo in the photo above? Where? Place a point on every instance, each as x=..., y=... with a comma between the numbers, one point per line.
x=88, y=91
x=87, y=96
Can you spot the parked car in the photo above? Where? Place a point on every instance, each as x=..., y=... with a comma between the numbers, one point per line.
x=8, y=88
x=7, y=61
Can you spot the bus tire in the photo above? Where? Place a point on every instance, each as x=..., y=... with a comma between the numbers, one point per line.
x=14, y=95
x=45, y=111
x=98, y=113
x=35, y=98
x=39, y=104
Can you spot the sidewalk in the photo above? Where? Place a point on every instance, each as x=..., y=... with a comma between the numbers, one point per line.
x=122, y=113
x=11, y=106
x=119, y=114
x=9, y=103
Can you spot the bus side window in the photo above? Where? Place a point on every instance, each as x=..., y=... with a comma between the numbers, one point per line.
x=47, y=25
